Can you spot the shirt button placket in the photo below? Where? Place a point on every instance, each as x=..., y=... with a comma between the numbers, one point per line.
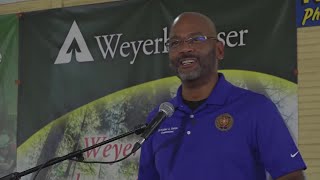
x=191, y=116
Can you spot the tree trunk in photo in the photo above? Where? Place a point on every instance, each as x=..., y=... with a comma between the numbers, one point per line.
x=76, y=145
x=50, y=147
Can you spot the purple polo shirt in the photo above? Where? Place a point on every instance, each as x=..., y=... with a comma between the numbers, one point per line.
x=235, y=134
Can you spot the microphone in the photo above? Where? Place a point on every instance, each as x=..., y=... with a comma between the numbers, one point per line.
x=166, y=109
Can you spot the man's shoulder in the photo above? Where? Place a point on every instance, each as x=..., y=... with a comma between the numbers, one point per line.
x=239, y=93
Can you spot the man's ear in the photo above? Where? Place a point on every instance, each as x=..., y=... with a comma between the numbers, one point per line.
x=219, y=50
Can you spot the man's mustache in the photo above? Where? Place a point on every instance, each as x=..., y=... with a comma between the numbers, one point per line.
x=187, y=55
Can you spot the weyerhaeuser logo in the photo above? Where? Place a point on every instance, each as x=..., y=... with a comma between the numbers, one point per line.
x=74, y=34
x=111, y=44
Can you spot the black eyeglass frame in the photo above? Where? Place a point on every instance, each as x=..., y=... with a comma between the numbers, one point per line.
x=190, y=40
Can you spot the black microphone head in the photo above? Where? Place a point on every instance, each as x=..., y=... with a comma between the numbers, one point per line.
x=167, y=108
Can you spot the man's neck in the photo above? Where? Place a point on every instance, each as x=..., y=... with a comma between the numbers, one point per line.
x=198, y=89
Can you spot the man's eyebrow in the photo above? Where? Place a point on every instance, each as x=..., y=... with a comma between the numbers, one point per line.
x=173, y=37
x=190, y=34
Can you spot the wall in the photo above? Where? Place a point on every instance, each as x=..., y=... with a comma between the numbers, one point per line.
x=32, y=5
x=309, y=98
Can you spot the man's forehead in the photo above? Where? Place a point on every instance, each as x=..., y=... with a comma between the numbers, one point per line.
x=189, y=29
x=189, y=23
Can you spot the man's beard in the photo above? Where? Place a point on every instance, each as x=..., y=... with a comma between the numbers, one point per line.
x=189, y=76
x=204, y=66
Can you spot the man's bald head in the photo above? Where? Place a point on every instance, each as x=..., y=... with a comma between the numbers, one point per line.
x=196, y=21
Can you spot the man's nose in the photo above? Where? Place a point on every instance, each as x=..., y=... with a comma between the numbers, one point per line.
x=185, y=47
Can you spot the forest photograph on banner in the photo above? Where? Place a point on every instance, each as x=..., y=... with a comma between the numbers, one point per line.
x=89, y=73
x=8, y=92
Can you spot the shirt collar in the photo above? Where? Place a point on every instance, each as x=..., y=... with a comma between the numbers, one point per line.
x=218, y=96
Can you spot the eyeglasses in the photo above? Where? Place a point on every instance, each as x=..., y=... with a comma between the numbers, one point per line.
x=198, y=39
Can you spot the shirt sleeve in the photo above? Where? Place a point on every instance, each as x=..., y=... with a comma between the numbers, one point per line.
x=147, y=168
x=277, y=150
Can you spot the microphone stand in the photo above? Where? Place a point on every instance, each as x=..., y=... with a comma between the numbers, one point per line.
x=78, y=154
